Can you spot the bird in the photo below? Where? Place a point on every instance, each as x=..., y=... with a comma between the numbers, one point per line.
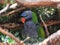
x=30, y=27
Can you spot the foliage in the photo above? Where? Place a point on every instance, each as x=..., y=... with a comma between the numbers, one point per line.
x=46, y=12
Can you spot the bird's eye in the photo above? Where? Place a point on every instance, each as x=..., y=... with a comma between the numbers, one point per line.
x=26, y=15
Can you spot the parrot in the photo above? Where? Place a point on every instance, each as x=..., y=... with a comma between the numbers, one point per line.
x=30, y=26
x=40, y=30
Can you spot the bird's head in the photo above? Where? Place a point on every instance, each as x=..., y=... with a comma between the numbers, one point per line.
x=26, y=15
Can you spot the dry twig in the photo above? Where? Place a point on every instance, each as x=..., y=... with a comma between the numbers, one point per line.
x=14, y=11
x=52, y=22
x=47, y=32
x=10, y=25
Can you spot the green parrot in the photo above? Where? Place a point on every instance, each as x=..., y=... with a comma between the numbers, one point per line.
x=40, y=30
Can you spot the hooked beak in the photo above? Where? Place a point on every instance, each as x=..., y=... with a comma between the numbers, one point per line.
x=23, y=20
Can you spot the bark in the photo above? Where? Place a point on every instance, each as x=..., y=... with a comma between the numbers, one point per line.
x=54, y=39
x=37, y=3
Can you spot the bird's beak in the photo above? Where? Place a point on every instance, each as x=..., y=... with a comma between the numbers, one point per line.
x=23, y=20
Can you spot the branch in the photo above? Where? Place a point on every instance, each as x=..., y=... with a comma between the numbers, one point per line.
x=4, y=9
x=54, y=39
x=52, y=22
x=13, y=6
x=10, y=25
x=10, y=35
x=14, y=11
x=37, y=3
x=47, y=32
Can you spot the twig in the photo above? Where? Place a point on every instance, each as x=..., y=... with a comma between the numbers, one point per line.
x=13, y=6
x=5, y=8
x=47, y=32
x=52, y=22
x=10, y=35
x=54, y=39
x=19, y=9
x=10, y=25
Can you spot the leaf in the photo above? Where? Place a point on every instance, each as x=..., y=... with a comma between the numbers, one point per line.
x=12, y=1
x=10, y=40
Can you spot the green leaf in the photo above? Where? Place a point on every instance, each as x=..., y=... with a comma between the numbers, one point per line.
x=9, y=40
x=12, y=1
